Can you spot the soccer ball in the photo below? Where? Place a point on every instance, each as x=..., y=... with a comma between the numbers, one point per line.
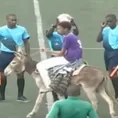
x=64, y=17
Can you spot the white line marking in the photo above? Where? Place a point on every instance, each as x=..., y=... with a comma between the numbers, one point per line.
x=33, y=54
x=39, y=28
x=41, y=40
x=93, y=48
x=83, y=48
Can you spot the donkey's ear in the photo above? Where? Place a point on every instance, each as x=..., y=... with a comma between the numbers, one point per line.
x=15, y=53
x=21, y=50
x=18, y=55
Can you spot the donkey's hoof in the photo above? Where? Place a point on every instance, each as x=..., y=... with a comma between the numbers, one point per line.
x=30, y=115
x=114, y=115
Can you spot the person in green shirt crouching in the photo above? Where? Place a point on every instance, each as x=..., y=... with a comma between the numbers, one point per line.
x=72, y=107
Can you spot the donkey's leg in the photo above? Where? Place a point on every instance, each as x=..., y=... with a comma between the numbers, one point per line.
x=41, y=88
x=92, y=97
x=55, y=96
x=37, y=104
x=110, y=102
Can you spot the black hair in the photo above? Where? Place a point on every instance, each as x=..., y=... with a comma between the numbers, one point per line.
x=73, y=90
x=113, y=16
x=8, y=15
x=65, y=24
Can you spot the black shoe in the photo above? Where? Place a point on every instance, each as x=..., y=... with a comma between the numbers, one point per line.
x=22, y=99
x=117, y=99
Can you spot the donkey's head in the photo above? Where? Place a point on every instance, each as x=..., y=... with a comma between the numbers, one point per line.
x=17, y=65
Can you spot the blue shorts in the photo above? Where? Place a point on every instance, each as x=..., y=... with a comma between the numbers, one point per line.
x=5, y=59
x=111, y=59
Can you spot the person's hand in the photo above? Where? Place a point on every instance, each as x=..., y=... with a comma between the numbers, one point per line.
x=44, y=50
x=54, y=25
x=72, y=22
x=103, y=24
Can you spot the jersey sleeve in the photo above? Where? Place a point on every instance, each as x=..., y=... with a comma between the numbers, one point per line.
x=53, y=35
x=25, y=35
x=92, y=113
x=105, y=33
x=0, y=35
x=53, y=113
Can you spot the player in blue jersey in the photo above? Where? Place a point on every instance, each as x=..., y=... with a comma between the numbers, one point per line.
x=12, y=35
x=109, y=35
x=55, y=40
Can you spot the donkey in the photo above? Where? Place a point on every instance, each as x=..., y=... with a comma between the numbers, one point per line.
x=91, y=79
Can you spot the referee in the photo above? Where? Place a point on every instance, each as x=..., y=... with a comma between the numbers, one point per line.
x=12, y=35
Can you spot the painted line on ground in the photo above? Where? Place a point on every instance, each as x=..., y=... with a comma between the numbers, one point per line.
x=41, y=40
x=33, y=54
x=83, y=48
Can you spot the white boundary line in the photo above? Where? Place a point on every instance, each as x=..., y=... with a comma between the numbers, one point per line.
x=41, y=40
x=83, y=48
x=33, y=54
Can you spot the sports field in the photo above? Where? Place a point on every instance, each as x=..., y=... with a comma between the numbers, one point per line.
x=88, y=15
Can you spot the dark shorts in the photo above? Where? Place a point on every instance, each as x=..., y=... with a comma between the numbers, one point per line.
x=5, y=59
x=111, y=59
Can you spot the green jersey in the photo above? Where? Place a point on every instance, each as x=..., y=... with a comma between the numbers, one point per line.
x=72, y=107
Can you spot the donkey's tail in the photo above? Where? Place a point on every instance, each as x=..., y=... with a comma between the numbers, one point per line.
x=106, y=78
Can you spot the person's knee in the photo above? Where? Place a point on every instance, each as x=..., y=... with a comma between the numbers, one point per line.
x=39, y=66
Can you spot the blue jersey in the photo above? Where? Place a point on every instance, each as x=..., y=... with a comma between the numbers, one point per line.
x=110, y=38
x=10, y=38
x=55, y=41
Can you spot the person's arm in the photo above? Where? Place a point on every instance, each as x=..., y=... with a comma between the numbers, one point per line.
x=57, y=53
x=26, y=41
x=75, y=28
x=53, y=113
x=92, y=113
x=100, y=36
x=63, y=50
x=50, y=31
x=27, y=46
